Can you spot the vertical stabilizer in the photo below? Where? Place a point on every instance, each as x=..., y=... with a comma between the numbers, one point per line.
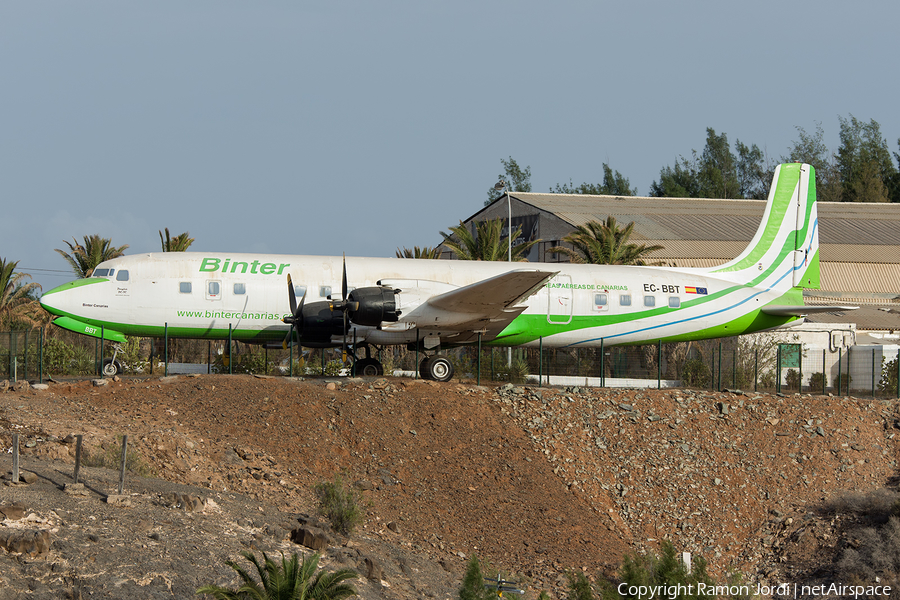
x=784, y=253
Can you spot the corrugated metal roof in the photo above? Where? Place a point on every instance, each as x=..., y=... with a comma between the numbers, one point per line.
x=875, y=278
x=867, y=318
x=843, y=223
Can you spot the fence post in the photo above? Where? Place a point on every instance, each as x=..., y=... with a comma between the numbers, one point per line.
x=41, y=358
x=756, y=370
x=602, y=365
x=659, y=364
x=166, y=348
x=102, y=349
x=873, y=371
x=778, y=370
x=122, y=468
x=541, y=363
x=719, y=386
x=13, y=372
x=26, y=354
x=824, y=379
x=208, y=357
x=78, y=439
x=478, y=380
x=15, y=451
x=800, y=368
x=492, y=363
x=734, y=368
x=898, y=373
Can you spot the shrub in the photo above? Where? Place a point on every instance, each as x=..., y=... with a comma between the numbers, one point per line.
x=888, y=383
x=290, y=579
x=339, y=503
x=519, y=371
x=473, y=585
x=695, y=373
x=818, y=382
x=792, y=379
x=63, y=358
x=109, y=456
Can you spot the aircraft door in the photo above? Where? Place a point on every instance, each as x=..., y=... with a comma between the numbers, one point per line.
x=559, y=307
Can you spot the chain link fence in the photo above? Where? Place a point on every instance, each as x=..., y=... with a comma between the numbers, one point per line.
x=763, y=363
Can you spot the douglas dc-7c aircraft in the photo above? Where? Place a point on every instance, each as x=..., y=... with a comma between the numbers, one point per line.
x=434, y=303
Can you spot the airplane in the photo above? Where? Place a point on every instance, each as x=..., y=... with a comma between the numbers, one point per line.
x=435, y=304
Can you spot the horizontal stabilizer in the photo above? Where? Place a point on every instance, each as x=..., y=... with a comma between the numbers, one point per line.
x=800, y=311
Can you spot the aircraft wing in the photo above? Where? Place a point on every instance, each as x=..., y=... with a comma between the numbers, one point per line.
x=800, y=311
x=488, y=305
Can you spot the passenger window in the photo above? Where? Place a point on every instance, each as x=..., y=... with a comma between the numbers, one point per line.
x=649, y=301
x=299, y=291
x=184, y=287
x=601, y=301
x=674, y=301
x=325, y=291
x=624, y=299
x=240, y=289
x=121, y=275
x=213, y=288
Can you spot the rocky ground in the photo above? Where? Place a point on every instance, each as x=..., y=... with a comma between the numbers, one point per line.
x=537, y=481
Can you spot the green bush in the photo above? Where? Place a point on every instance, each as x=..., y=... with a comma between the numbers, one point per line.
x=792, y=379
x=695, y=373
x=109, y=456
x=473, y=585
x=519, y=371
x=62, y=358
x=888, y=383
x=340, y=504
x=817, y=382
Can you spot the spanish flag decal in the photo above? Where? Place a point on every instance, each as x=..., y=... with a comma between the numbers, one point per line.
x=694, y=290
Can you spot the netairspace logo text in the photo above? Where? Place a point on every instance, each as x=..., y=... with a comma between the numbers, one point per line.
x=672, y=592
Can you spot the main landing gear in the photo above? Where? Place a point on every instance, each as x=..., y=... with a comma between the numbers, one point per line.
x=436, y=368
x=368, y=366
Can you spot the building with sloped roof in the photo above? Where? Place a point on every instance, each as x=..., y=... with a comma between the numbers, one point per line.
x=859, y=244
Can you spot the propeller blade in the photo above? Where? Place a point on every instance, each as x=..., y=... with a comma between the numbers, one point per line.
x=292, y=296
x=344, y=281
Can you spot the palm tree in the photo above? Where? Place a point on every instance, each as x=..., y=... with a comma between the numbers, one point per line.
x=95, y=250
x=604, y=244
x=291, y=580
x=487, y=243
x=179, y=243
x=416, y=252
x=15, y=295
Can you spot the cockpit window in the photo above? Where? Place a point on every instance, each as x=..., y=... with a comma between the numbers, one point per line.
x=101, y=273
x=122, y=275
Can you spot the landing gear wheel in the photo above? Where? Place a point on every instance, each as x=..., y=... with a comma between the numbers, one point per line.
x=369, y=367
x=424, y=369
x=111, y=367
x=439, y=368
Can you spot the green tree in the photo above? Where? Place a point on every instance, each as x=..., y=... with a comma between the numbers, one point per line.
x=810, y=149
x=864, y=161
x=716, y=172
x=179, y=243
x=604, y=244
x=291, y=580
x=16, y=296
x=680, y=181
x=517, y=178
x=416, y=252
x=487, y=243
x=614, y=184
x=84, y=258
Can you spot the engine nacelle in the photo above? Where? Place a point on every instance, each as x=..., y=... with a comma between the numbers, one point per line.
x=376, y=304
x=320, y=323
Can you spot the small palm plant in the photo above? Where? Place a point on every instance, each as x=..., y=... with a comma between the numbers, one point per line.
x=291, y=580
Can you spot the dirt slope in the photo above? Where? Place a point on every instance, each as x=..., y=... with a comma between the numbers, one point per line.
x=537, y=481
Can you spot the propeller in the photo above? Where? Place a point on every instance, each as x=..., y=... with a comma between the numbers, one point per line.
x=296, y=316
x=345, y=307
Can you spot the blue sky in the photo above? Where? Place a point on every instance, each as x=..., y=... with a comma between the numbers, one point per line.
x=357, y=128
